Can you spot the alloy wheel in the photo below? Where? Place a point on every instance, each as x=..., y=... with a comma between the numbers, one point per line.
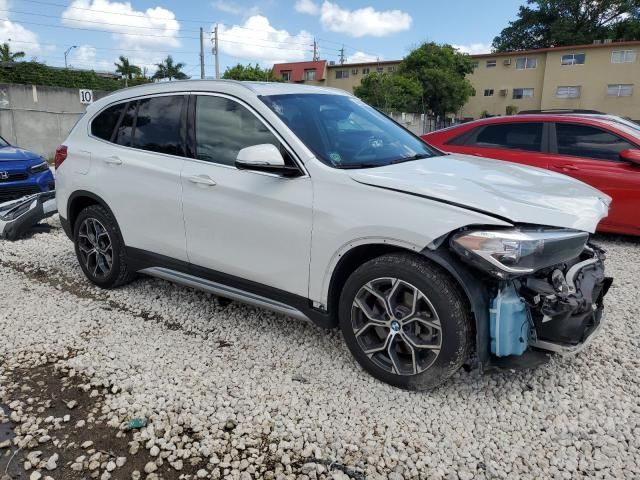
x=96, y=250
x=396, y=326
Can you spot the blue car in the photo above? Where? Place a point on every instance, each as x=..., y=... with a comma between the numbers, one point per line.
x=22, y=172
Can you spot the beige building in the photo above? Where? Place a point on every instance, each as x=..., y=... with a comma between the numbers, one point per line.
x=601, y=76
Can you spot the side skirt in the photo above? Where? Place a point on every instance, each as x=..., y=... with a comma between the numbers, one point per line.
x=226, y=286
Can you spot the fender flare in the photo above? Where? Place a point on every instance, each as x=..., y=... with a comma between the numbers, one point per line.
x=85, y=193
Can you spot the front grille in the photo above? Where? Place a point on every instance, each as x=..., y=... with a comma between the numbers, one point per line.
x=13, y=177
x=12, y=193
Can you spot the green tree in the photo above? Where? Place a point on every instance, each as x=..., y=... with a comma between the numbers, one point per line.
x=170, y=70
x=441, y=71
x=390, y=91
x=551, y=23
x=127, y=70
x=6, y=55
x=249, y=72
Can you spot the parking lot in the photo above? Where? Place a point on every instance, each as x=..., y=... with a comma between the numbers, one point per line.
x=233, y=390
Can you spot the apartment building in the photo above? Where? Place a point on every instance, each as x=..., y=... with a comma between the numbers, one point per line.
x=344, y=76
x=600, y=76
x=603, y=76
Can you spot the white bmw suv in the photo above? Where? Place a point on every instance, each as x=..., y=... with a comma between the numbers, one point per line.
x=308, y=202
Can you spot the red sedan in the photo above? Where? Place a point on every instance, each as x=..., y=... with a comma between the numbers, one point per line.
x=601, y=150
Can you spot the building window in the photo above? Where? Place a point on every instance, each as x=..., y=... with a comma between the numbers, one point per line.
x=342, y=74
x=488, y=92
x=380, y=69
x=620, y=90
x=519, y=93
x=366, y=70
x=573, y=59
x=475, y=64
x=310, y=75
x=491, y=63
x=526, y=63
x=354, y=71
x=286, y=76
x=568, y=92
x=391, y=69
x=623, y=56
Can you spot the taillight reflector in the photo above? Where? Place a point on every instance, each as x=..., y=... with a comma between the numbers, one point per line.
x=61, y=155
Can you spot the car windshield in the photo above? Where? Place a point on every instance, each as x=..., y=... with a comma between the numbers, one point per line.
x=344, y=132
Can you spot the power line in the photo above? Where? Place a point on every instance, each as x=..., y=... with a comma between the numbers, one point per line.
x=141, y=15
x=109, y=49
x=89, y=21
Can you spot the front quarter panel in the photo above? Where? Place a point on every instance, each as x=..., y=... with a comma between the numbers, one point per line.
x=348, y=214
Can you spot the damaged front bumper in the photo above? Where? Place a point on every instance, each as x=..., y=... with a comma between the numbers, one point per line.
x=566, y=303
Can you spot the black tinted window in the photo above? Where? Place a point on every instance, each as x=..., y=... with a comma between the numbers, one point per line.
x=103, y=125
x=224, y=127
x=517, y=136
x=125, y=129
x=159, y=125
x=589, y=142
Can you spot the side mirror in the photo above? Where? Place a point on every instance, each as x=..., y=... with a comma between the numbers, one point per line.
x=264, y=158
x=631, y=155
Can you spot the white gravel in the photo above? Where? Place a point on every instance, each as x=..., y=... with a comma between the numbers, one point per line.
x=244, y=385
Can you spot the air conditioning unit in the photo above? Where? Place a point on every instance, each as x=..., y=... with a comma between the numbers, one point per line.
x=597, y=42
x=504, y=92
x=507, y=62
x=607, y=40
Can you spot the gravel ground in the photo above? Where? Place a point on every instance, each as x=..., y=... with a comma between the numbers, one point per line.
x=230, y=390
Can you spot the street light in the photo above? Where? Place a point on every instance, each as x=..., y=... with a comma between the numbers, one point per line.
x=67, y=53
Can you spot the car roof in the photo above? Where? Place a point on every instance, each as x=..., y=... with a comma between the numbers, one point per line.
x=219, y=86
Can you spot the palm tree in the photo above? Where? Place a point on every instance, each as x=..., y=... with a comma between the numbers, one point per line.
x=170, y=70
x=7, y=56
x=126, y=69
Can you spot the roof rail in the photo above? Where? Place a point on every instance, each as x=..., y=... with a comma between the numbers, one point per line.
x=560, y=111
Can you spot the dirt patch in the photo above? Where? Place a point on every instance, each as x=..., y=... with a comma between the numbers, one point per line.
x=52, y=413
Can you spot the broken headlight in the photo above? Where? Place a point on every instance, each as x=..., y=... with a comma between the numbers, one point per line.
x=514, y=252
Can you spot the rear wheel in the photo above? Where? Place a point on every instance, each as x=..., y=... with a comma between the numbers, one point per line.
x=406, y=321
x=99, y=248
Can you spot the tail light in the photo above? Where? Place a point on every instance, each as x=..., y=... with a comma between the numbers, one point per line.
x=61, y=155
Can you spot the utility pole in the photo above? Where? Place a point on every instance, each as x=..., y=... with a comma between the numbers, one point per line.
x=201, y=53
x=316, y=55
x=215, y=51
x=342, y=55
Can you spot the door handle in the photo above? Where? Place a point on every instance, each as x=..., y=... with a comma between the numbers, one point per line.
x=204, y=180
x=114, y=160
x=567, y=168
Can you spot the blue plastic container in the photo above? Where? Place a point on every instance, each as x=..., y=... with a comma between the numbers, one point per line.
x=508, y=322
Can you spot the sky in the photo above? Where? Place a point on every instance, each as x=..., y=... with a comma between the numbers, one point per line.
x=250, y=31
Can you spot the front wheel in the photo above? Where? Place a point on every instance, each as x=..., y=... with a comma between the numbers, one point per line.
x=406, y=321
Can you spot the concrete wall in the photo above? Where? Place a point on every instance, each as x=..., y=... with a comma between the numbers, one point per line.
x=39, y=118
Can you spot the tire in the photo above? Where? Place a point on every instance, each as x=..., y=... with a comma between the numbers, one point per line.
x=103, y=261
x=429, y=337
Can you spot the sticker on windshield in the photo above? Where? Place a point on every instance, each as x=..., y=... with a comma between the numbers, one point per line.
x=335, y=157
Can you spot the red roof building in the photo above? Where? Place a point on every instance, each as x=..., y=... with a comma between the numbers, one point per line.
x=300, y=71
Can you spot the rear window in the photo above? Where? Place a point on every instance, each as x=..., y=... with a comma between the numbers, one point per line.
x=125, y=128
x=103, y=125
x=516, y=136
x=159, y=125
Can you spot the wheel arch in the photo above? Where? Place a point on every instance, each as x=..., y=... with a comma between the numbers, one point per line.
x=78, y=201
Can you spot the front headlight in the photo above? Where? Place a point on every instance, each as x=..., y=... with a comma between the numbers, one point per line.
x=510, y=253
x=40, y=167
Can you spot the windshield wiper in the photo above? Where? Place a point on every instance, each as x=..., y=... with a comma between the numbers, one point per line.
x=419, y=156
x=350, y=166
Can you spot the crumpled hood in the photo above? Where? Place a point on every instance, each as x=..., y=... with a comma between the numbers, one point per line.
x=515, y=192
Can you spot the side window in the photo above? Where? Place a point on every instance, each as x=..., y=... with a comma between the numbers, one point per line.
x=159, y=125
x=515, y=136
x=224, y=127
x=102, y=126
x=590, y=142
x=125, y=129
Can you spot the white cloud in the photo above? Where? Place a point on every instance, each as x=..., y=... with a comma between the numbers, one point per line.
x=86, y=57
x=256, y=39
x=474, y=48
x=361, y=57
x=228, y=6
x=308, y=7
x=131, y=28
x=357, y=23
x=22, y=39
